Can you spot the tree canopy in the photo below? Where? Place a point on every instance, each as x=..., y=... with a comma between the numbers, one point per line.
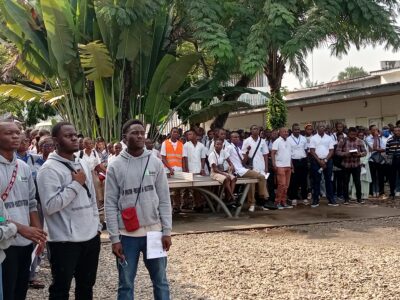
x=352, y=72
x=102, y=62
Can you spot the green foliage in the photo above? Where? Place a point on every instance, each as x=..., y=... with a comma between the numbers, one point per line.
x=352, y=72
x=216, y=109
x=276, y=111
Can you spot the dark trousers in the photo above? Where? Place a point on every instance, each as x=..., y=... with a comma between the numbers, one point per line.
x=338, y=183
x=271, y=186
x=378, y=177
x=16, y=272
x=299, y=179
x=394, y=174
x=74, y=259
x=355, y=173
x=316, y=181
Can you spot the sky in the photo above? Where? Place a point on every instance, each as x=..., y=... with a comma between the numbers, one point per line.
x=325, y=68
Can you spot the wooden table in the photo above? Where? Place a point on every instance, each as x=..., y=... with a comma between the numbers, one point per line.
x=200, y=183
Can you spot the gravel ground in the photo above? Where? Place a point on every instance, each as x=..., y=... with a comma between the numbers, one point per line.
x=341, y=260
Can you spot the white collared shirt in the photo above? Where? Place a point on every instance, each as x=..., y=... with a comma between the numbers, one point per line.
x=298, y=146
x=322, y=145
x=224, y=147
x=194, y=155
x=92, y=160
x=258, y=161
x=218, y=159
x=235, y=155
x=283, y=156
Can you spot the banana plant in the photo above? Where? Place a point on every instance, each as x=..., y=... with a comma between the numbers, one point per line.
x=102, y=62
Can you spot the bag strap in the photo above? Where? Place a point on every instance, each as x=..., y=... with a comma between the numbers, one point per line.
x=141, y=181
x=69, y=167
x=255, y=152
x=10, y=185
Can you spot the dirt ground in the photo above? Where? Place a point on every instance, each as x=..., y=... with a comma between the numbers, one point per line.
x=339, y=260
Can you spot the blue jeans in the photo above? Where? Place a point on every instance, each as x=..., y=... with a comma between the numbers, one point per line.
x=316, y=179
x=132, y=246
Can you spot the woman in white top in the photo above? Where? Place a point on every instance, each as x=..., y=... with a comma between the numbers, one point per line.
x=217, y=158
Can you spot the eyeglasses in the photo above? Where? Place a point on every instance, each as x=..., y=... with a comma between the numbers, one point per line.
x=48, y=146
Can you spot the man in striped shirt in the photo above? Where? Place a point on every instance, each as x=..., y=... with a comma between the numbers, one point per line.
x=393, y=151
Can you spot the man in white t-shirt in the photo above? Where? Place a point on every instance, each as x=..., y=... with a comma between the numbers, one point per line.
x=322, y=150
x=194, y=154
x=194, y=160
x=219, y=134
x=282, y=163
x=298, y=146
x=236, y=157
x=255, y=151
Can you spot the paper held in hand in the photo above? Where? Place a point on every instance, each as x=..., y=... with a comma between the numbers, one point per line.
x=353, y=151
x=154, y=245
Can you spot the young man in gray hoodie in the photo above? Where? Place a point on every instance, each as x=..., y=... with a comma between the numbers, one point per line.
x=8, y=231
x=136, y=178
x=69, y=207
x=17, y=192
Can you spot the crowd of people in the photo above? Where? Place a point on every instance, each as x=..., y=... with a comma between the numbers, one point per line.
x=54, y=184
x=293, y=165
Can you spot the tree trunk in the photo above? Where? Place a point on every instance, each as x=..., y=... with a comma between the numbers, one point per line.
x=220, y=121
x=276, y=107
x=126, y=99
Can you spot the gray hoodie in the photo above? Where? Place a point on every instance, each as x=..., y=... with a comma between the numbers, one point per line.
x=71, y=216
x=122, y=184
x=21, y=200
x=8, y=232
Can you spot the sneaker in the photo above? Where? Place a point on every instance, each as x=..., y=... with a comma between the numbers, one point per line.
x=314, y=205
x=265, y=208
x=305, y=202
x=346, y=202
x=360, y=201
x=309, y=196
x=294, y=202
x=287, y=206
x=279, y=206
x=397, y=194
x=383, y=197
x=333, y=204
x=252, y=208
x=269, y=205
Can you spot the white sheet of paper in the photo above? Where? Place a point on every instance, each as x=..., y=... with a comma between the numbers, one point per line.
x=266, y=176
x=353, y=151
x=34, y=253
x=154, y=245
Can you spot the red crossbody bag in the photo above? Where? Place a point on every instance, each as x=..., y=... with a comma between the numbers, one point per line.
x=129, y=215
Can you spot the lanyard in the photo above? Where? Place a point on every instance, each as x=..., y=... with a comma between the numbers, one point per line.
x=217, y=157
x=298, y=141
x=10, y=184
x=237, y=151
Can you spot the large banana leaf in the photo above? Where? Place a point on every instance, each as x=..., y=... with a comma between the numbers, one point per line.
x=132, y=40
x=96, y=60
x=214, y=110
x=23, y=93
x=100, y=98
x=19, y=20
x=169, y=76
x=20, y=92
x=58, y=19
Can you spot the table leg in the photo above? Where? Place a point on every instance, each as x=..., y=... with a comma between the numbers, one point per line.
x=209, y=203
x=216, y=198
x=242, y=199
